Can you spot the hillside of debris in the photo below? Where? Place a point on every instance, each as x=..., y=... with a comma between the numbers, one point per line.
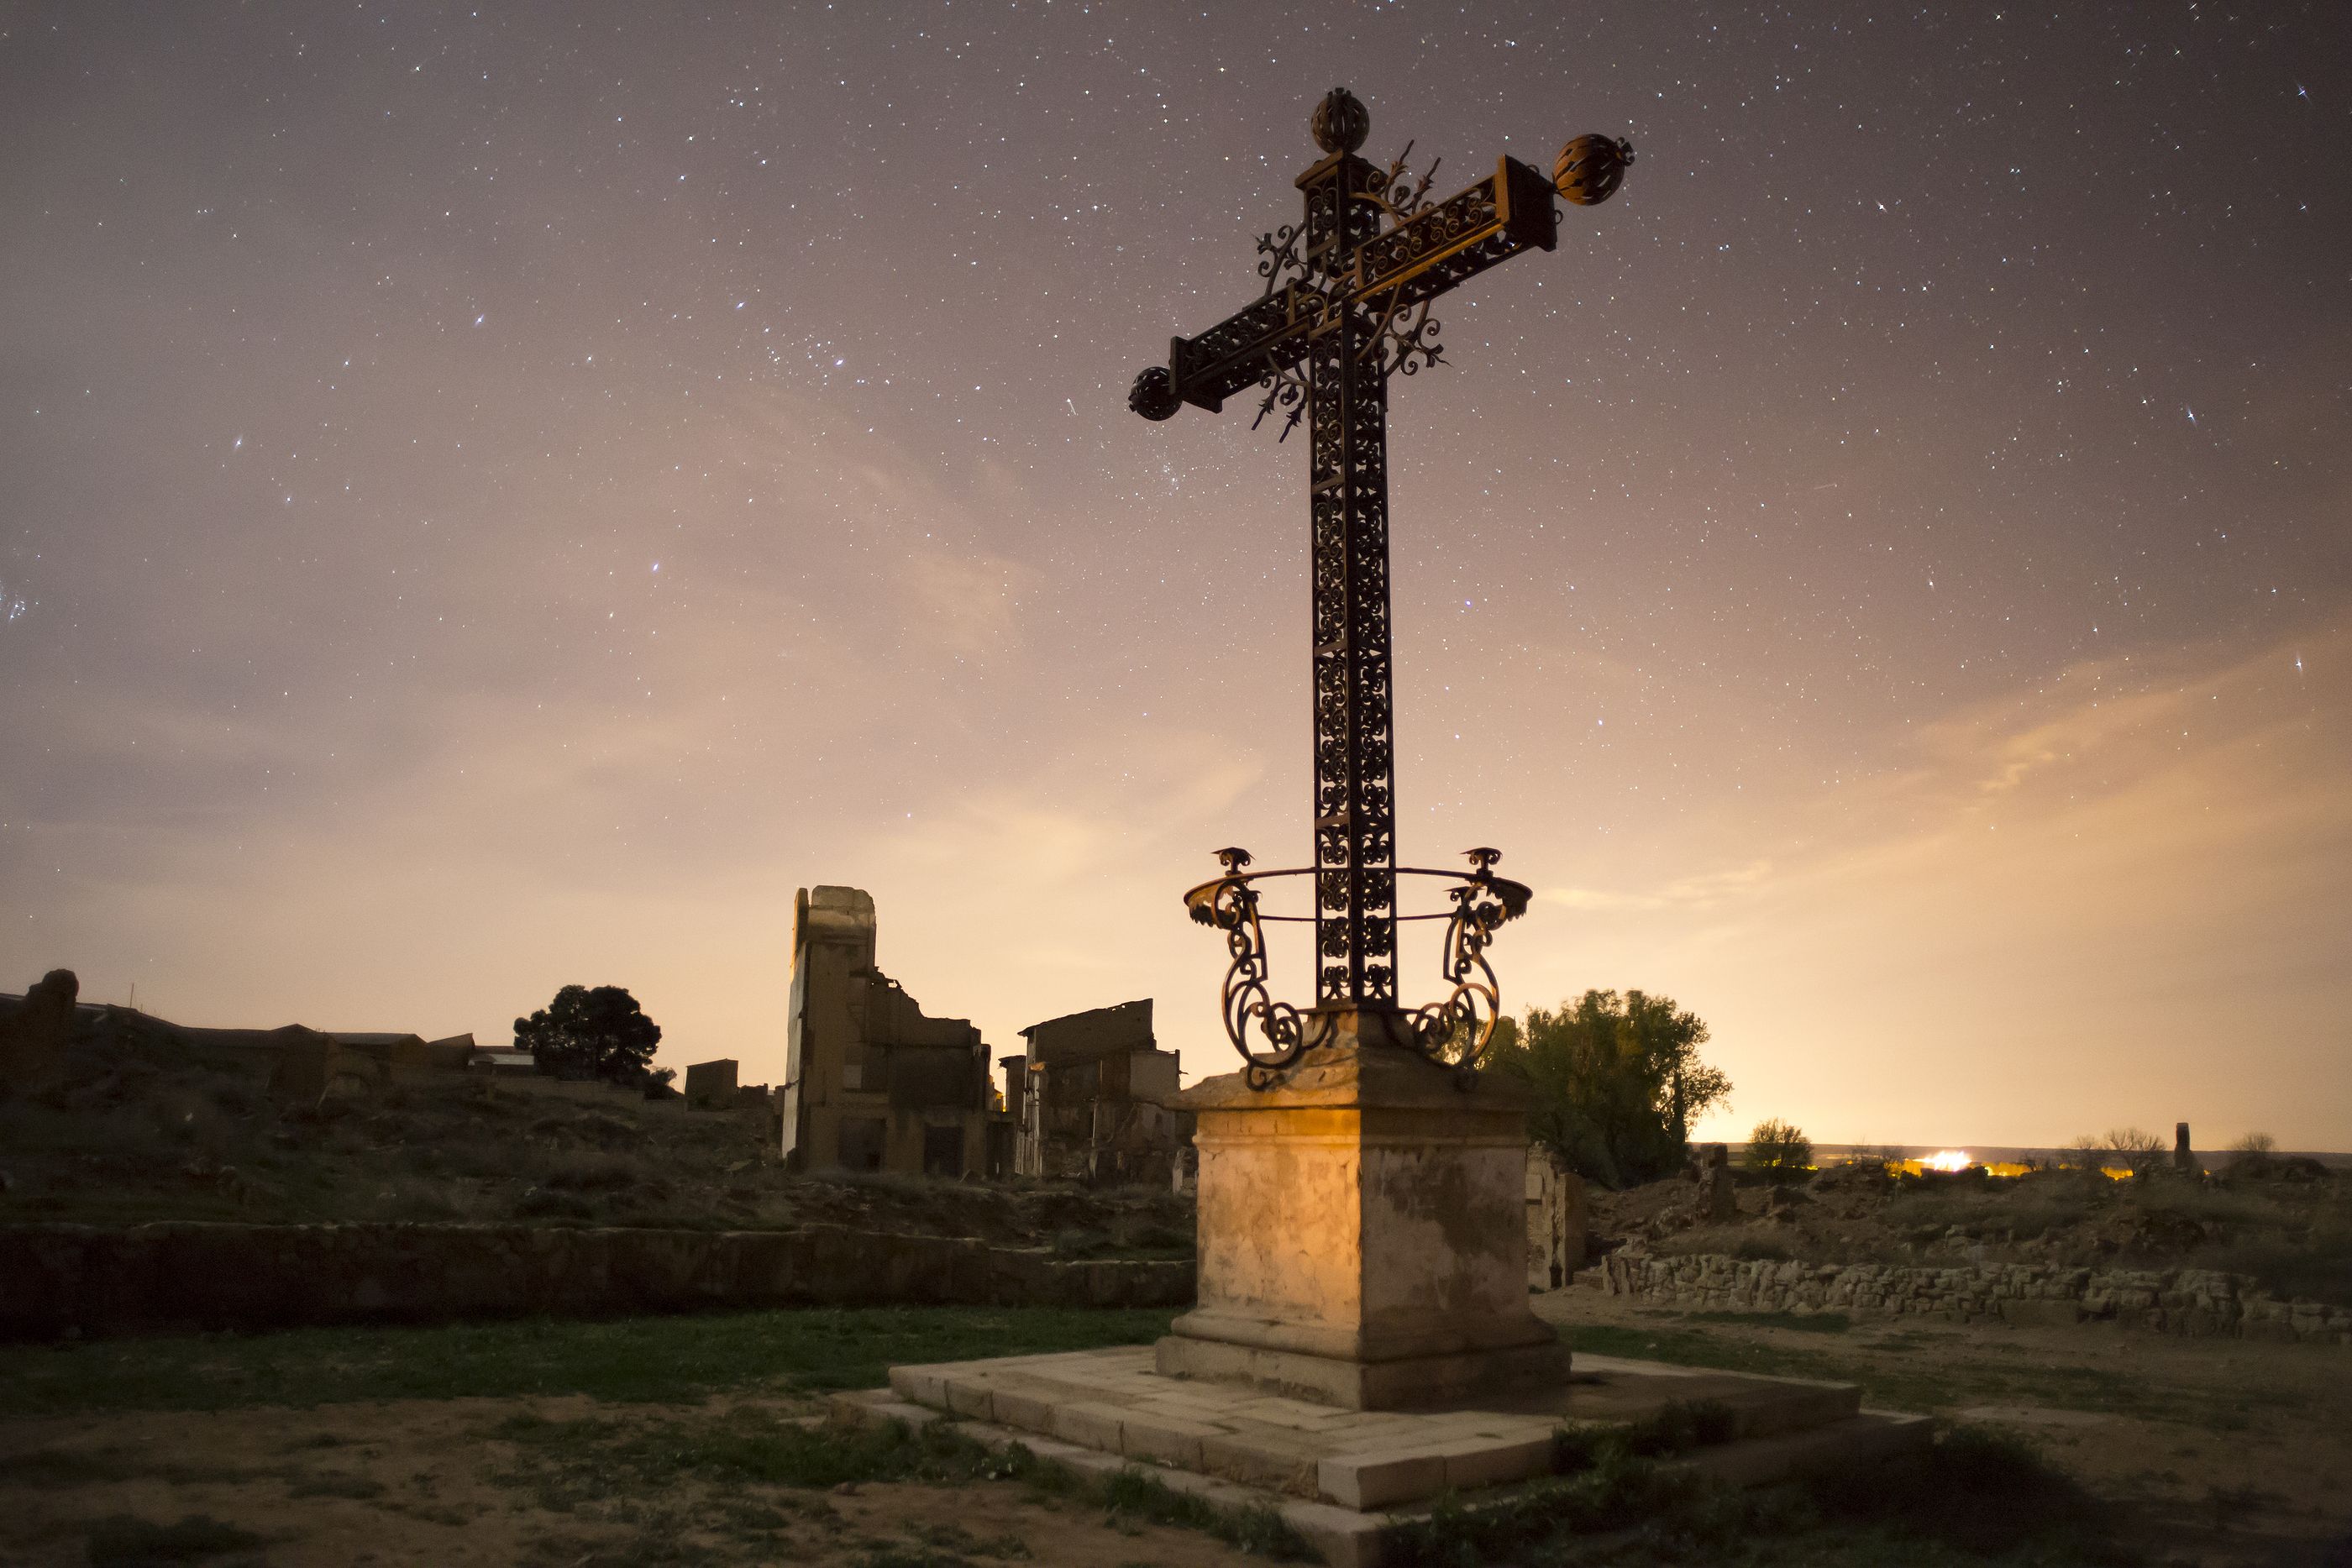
x=129, y=1120
x=2286, y=1220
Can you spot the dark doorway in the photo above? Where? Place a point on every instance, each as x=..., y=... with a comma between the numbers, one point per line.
x=943, y=1151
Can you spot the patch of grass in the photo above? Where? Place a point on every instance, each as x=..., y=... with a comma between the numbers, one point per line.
x=1676, y=1428
x=1977, y=1492
x=570, y=1464
x=1894, y=1385
x=745, y=1446
x=658, y=1547
x=914, y=1555
x=124, y=1541
x=956, y=1538
x=1258, y=1529
x=1889, y=1379
x=1970, y=1497
x=45, y=1467
x=1802, y=1323
x=640, y=1359
x=334, y=1483
x=1538, y=1523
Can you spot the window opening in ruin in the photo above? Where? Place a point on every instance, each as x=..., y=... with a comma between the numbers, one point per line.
x=943, y=1151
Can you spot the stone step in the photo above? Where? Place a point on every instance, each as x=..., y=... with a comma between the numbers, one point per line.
x=1113, y=1402
x=1352, y=1537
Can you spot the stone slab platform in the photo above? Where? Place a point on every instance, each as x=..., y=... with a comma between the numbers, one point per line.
x=1349, y=1537
x=1113, y=1402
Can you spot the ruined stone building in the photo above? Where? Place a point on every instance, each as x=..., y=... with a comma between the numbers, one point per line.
x=1088, y=1097
x=871, y=1083
x=1557, y=1220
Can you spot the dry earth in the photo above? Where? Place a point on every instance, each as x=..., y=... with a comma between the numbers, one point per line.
x=2220, y=1452
x=433, y=1481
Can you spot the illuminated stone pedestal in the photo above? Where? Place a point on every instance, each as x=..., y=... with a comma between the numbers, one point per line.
x=1362, y=1231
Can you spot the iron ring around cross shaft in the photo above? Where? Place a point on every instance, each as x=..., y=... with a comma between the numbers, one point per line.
x=1454, y=1032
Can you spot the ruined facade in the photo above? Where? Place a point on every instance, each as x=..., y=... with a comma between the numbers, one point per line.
x=1557, y=1220
x=1088, y=1097
x=871, y=1083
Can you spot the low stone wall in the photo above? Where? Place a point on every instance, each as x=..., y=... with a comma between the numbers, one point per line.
x=2195, y=1302
x=189, y=1274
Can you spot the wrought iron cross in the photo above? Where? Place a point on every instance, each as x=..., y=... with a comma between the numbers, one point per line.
x=1345, y=305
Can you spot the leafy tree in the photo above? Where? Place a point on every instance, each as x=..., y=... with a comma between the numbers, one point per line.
x=1617, y=1082
x=600, y=1033
x=1779, y=1151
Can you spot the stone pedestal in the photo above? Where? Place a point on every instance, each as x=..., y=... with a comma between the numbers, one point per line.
x=1362, y=1231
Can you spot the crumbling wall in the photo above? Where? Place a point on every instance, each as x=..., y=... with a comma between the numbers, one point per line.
x=871, y=1082
x=35, y=1028
x=2193, y=1301
x=1557, y=1220
x=1093, y=1105
x=712, y=1085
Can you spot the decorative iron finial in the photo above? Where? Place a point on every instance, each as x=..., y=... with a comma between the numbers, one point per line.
x=1341, y=122
x=1153, y=395
x=1233, y=858
x=1482, y=860
x=1590, y=168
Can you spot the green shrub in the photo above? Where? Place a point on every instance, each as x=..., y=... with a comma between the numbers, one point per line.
x=1778, y=1152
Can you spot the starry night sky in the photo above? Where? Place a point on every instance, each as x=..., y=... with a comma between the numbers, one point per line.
x=494, y=498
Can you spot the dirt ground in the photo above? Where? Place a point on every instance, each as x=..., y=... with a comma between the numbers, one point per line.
x=429, y=1481
x=2228, y=1451
x=2220, y=1452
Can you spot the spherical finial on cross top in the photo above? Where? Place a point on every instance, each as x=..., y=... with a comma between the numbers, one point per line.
x=1591, y=168
x=1341, y=122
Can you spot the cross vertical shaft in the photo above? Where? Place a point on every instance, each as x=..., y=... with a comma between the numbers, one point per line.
x=1355, y=790
x=1354, y=808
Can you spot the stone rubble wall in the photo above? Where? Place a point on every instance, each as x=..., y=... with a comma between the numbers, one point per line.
x=2202, y=1303
x=204, y=1275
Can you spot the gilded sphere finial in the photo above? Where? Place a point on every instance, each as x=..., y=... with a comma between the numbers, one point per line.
x=1341, y=122
x=1591, y=168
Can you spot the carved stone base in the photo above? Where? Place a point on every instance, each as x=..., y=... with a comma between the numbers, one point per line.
x=1362, y=1229
x=1412, y=1382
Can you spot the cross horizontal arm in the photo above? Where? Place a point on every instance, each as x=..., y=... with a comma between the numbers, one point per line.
x=1508, y=212
x=1453, y=241
x=1267, y=339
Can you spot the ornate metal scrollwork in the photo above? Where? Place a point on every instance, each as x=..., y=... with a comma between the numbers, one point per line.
x=1231, y=906
x=1286, y=391
x=1404, y=341
x=1343, y=305
x=1454, y=1032
x=1458, y=1030
x=1280, y=262
x=1397, y=190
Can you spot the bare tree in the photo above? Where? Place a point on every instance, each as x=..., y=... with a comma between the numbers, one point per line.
x=2081, y=1155
x=2140, y=1149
